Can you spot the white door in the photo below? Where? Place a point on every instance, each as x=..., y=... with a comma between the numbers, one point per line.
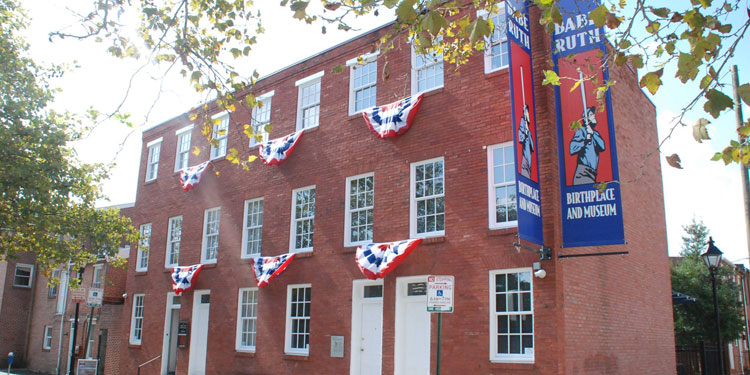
x=412, y=346
x=199, y=332
x=367, y=328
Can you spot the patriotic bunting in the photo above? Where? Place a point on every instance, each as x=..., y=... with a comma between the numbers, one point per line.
x=183, y=278
x=275, y=151
x=266, y=268
x=191, y=177
x=376, y=260
x=392, y=119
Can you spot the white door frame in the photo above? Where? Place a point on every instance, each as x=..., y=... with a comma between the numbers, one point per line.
x=357, y=301
x=401, y=285
x=193, y=334
x=167, y=328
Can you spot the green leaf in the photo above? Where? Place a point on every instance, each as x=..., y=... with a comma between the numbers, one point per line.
x=653, y=27
x=433, y=22
x=716, y=157
x=480, y=28
x=636, y=61
x=599, y=15
x=405, y=12
x=551, y=78
x=744, y=130
x=707, y=79
x=652, y=81
x=661, y=12
x=575, y=125
x=299, y=8
x=687, y=67
x=744, y=92
x=716, y=101
x=338, y=68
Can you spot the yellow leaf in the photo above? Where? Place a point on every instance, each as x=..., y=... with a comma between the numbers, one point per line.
x=196, y=150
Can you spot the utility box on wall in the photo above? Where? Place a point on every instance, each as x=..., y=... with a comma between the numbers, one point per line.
x=182, y=334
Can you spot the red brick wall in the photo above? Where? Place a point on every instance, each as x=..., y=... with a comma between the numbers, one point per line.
x=15, y=313
x=457, y=123
x=40, y=359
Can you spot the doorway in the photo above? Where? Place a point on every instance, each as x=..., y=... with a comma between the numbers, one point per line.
x=101, y=350
x=199, y=332
x=367, y=327
x=412, y=337
x=169, y=347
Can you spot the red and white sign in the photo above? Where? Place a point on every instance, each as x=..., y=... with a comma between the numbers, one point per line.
x=78, y=295
x=440, y=293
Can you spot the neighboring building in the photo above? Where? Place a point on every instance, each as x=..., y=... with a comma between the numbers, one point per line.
x=590, y=315
x=33, y=312
x=17, y=287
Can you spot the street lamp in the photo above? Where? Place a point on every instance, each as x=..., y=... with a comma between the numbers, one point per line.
x=712, y=258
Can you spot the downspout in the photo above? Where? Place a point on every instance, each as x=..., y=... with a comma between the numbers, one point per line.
x=62, y=317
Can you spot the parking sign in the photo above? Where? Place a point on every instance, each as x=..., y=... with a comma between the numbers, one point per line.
x=440, y=293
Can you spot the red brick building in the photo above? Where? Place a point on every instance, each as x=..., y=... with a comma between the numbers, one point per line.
x=595, y=315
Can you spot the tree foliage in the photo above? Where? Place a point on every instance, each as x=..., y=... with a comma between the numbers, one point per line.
x=46, y=196
x=694, y=321
x=204, y=38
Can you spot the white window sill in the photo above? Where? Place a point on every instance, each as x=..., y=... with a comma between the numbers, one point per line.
x=218, y=157
x=356, y=244
x=512, y=224
x=488, y=70
x=513, y=360
x=245, y=350
x=307, y=128
x=297, y=354
x=208, y=261
x=298, y=251
x=429, y=235
x=428, y=90
x=141, y=269
x=149, y=180
x=249, y=256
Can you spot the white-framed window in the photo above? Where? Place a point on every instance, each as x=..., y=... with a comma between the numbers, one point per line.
x=253, y=227
x=261, y=118
x=62, y=296
x=96, y=280
x=427, y=198
x=92, y=338
x=144, y=245
x=363, y=79
x=24, y=275
x=210, y=249
x=511, y=316
x=174, y=235
x=297, y=338
x=47, y=344
x=501, y=176
x=220, y=133
x=52, y=291
x=303, y=219
x=308, y=101
x=182, y=159
x=360, y=202
x=426, y=71
x=136, y=323
x=247, y=319
x=496, y=54
x=152, y=164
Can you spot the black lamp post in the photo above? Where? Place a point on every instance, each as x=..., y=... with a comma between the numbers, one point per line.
x=712, y=257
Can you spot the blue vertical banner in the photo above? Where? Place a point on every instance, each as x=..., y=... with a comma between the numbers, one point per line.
x=523, y=114
x=591, y=204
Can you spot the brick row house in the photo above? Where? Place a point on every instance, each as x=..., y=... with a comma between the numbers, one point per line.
x=447, y=180
x=36, y=316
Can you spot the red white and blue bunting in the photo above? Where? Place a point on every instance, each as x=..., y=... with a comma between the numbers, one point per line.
x=393, y=119
x=266, y=268
x=191, y=177
x=275, y=151
x=184, y=278
x=376, y=260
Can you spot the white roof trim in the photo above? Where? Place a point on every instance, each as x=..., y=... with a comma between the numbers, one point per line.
x=185, y=129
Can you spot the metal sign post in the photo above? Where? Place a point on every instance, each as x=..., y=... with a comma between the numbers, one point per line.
x=439, y=300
